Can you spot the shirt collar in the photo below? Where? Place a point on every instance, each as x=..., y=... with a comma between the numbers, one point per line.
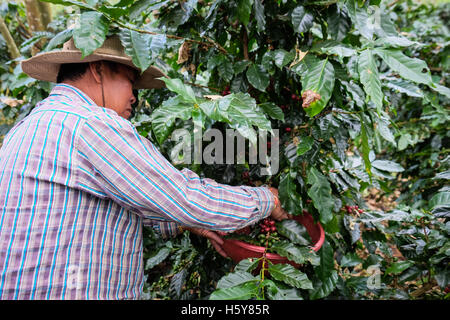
x=77, y=96
x=72, y=93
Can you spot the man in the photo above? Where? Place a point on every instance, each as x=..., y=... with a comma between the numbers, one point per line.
x=78, y=182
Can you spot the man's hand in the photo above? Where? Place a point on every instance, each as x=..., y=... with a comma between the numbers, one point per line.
x=278, y=213
x=212, y=236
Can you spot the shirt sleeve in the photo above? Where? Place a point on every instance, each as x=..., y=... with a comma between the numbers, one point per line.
x=166, y=229
x=117, y=163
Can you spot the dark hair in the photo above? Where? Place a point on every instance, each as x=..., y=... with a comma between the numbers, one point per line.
x=74, y=71
x=71, y=71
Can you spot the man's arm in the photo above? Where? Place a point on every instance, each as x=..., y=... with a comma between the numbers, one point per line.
x=116, y=162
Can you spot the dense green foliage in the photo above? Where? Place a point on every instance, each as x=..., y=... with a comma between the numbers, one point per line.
x=358, y=91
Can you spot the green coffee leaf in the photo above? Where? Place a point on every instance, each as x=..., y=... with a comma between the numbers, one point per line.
x=226, y=70
x=240, y=111
x=370, y=78
x=399, y=267
x=317, y=86
x=282, y=57
x=320, y=194
x=394, y=41
x=289, y=198
x=258, y=8
x=247, y=265
x=70, y=2
x=164, y=117
x=306, y=143
x=360, y=19
x=332, y=47
x=240, y=66
x=137, y=47
x=387, y=165
x=385, y=132
x=387, y=27
x=243, y=291
x=402, y=86
x=272, y=110
x=91, y=33
x=177, y=282
x=294, y=231
x=114, y=12
x=365, y=146
x=301, y=19
x=338, y=24
x=350, y=260
x=145, y=6
x=408, y=68
x=295, y=253
x=243, y=109
x=326, y=266
x=156, y=259
x=279, y=291
x=440, y=199
x=325, y=287
x=58, y=39
x=234, y=279
x=176, y=85
x=288, y=274
x=258, y=77
x=244, y=9
x=441, y=89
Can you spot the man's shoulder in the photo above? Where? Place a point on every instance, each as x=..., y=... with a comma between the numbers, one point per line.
x=107, y=119
x=63, y=104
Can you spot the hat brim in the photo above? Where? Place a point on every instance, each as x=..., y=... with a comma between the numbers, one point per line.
x=45, y=66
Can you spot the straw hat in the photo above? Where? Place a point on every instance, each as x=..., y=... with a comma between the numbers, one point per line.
x=45, y=66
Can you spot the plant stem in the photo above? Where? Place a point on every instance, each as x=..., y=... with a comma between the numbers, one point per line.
x=245, y=42
x=209, y=41
x=263, y=271
x=202, y=86
x=12, y=47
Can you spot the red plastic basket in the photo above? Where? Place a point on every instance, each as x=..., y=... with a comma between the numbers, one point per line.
x=239, y=250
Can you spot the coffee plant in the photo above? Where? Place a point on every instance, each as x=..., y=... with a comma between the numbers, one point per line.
x=354, y=95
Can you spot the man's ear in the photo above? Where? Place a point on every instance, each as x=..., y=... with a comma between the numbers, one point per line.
x=96, y=70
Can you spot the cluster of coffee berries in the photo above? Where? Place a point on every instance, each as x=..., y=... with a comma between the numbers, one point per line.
x=268, y=234
x=294, y=98
x=268, y=226
x=226, y=91
x=353, y=210
x=245, y=176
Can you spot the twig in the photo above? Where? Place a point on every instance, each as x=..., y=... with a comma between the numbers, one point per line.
x=209, y=41
x=426, y=287
x=29, y=34
x=392, y=3
x=10, y=43
x=202, y=86
x=413, y=120
x=245, y=42
x=346, y=112
x=324, y=113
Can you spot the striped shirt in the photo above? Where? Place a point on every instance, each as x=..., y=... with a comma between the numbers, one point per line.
x=77, y=183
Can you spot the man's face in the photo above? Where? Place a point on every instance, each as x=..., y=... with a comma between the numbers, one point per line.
x=118, y=89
